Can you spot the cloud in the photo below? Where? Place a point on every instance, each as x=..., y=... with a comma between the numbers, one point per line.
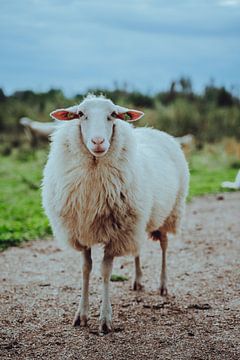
x=230, y=3
x=147, y=43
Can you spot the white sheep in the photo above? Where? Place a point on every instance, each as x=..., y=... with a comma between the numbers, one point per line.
x=108, y=183
x=232, y=184
x=36, y=130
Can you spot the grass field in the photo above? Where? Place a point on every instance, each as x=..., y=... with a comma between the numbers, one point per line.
x=21, y=215
x=209, y=168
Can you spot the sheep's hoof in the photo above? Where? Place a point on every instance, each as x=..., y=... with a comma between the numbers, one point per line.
x=80, y=320
x=105, y=327
x=163, y=291
x=137, y=286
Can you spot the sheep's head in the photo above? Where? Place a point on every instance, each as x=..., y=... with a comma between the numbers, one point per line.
x=97, y=116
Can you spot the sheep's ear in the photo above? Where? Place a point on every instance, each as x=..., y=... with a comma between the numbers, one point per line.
x=64, y=114
x=128, y=114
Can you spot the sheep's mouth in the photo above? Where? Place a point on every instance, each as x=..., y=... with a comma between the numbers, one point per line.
x=98, y=152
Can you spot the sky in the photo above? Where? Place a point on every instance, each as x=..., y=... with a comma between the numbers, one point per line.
x=75, y=45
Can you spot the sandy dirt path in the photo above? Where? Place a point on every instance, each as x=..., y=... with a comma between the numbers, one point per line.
x=200, y=319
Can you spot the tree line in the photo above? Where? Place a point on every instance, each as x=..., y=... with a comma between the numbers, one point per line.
x=209, y=116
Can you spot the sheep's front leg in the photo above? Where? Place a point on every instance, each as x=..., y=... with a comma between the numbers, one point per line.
x=81, y=316
x=163, y=279
x=138, y=274
x=106, y=309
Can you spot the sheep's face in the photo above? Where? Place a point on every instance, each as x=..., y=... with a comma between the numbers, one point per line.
x=97, y=117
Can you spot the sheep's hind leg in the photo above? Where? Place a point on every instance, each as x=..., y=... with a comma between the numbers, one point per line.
x=138, y=275
x=81, y=316
x=106, y=309
x=163, y=278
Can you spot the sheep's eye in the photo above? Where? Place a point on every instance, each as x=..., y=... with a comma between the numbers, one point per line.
x=114, y=114
x=80, y=114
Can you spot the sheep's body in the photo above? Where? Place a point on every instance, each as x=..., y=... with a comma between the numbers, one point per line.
x=38, y=128
x=140, y=186
x=113, y=189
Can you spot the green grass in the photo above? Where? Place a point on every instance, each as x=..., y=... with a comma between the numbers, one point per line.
x=209, y=168
x=21, y=214
x=117, y=278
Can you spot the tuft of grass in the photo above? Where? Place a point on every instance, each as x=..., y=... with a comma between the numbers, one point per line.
x=116, y=278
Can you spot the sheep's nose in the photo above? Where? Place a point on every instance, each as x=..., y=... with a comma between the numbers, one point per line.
x=97, y=140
